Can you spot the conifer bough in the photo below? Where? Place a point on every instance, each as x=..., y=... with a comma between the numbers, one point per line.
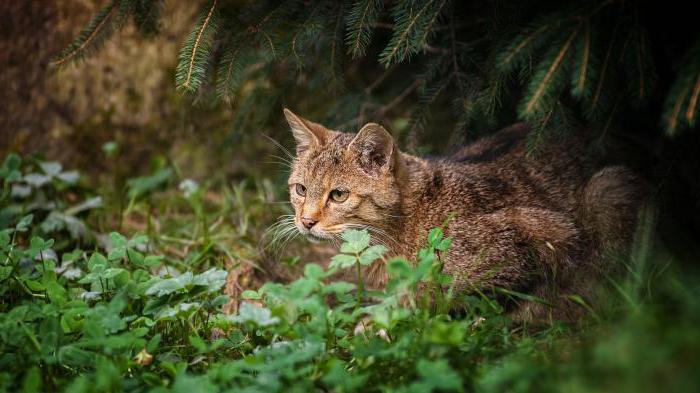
x=587, y=62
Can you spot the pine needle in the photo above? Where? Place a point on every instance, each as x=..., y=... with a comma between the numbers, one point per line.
x=672, y=122
x=684, y=90
x=585, y=57
x=692, y=106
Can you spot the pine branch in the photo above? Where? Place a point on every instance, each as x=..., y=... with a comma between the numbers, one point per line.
x=96, y=31
x=638, y=62
x=275, y=16
x=146, y=14
x=434, y=84
x=231, y=68
x=595, y=103
x=253, y=112
x=309, y=28
x=195, y=53
x=546, y=81
x=520, y=48
x=681, y=108
x=335, y=72
x=556, y=120
x=488, y=100
x=428, y=29
x=360, y=24
x=411, y=29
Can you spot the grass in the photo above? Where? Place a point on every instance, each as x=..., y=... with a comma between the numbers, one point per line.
x=121, y=288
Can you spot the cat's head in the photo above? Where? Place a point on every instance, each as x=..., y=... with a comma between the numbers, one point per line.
x=342, y=180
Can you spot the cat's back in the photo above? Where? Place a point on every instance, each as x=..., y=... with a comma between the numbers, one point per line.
x=497, y=171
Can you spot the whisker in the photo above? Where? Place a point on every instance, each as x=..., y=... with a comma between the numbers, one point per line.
x=279, y=145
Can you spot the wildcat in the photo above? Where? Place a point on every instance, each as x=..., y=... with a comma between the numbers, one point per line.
x=539, y=225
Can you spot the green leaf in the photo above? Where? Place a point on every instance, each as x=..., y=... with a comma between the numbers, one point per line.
x=141, y=186
x=153, y=260
x=438, y=374
x=371, y=254
x=24, y=223
x=251, y=295
x=56, y=293
x=51, y=168
x=117, y=239
x=434, y=236
x=168, y=286
x=113, y=272
x=444, y=245
x=32, y=381
x=260, y=316
x=119, y=249
x=399, y=268
x=5, y=238
x=5, y=272
x=342, y=261
x=213, y=279
x=136, y=241
x=117, y=253
x=355, y=241
x=339, y=287
x=153, y=343
x=12, y=163
x=97, y=262
x=88, y=204
x=36, y=180
x=314, y=271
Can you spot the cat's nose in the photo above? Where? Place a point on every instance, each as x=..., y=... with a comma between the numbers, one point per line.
x=308, y=222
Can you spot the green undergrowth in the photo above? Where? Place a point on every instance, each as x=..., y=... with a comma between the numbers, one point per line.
x=88, y=307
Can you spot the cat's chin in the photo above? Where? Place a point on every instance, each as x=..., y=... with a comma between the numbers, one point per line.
x=316, y=239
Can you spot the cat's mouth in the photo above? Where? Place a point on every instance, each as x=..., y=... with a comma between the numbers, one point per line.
x=316, y=239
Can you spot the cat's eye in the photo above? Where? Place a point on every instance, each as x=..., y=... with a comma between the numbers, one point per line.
x=300, y=189
x=339, y=196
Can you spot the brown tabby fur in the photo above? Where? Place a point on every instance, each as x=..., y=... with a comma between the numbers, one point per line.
x=536, y=225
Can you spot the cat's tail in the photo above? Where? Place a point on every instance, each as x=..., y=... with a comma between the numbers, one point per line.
x=610, y=205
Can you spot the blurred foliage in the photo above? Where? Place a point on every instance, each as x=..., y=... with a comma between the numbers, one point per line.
x=143, y=312
x=111, y=279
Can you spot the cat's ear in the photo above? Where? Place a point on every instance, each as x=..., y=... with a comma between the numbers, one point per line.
x=308, y=134
x=374, y=149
